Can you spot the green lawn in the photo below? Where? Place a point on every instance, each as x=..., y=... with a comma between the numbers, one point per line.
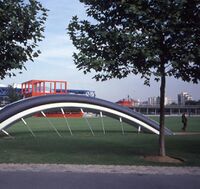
x=174, y=123
x=84, y=148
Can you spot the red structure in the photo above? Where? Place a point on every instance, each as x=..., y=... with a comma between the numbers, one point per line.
x=43, y=87
x=46, y=87
x=60, y=115
x=128, y=102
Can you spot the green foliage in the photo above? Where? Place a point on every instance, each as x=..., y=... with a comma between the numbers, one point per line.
x=22, y=25
x=13, y=94
x=159, y=37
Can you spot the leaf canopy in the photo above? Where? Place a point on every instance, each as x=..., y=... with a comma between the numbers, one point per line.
x=22, y=25
x=140, y=36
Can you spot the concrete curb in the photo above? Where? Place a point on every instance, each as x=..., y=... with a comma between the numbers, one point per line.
x=100, y=169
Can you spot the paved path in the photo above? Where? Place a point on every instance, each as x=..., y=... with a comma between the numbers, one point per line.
x=100, y=169
x=186, y=133
x=62, y=176
x=76, y=180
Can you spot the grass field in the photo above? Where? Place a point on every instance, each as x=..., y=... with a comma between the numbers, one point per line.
x=114, y=147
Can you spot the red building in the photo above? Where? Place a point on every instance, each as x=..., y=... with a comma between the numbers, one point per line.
x=126, y=102
x=43, y=87
x=47, y=87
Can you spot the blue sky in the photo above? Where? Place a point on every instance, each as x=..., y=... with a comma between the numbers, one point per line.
x=56, y=63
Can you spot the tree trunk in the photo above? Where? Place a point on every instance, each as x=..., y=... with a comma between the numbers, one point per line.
x=162, y=112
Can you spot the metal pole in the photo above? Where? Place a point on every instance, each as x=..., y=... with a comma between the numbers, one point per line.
x=5, y=132
x=122, y=126
x=51, y=124
x=102, y=123
x=66, y=121
x=88, y=123
x=139, y=129
x=28, y=127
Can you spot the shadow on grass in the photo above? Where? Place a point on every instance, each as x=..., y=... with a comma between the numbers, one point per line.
x=83, y=148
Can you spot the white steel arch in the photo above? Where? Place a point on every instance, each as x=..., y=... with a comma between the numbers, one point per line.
x=18, y=110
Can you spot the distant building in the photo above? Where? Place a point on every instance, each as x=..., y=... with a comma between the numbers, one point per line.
x=4, y=99
x=8, y=93
x=183, y=97
x=153, y=101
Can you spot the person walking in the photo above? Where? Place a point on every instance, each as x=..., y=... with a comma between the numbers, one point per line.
x=184, y=121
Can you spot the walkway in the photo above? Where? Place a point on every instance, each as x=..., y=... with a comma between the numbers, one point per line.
x=100, y=169
x=186, y=133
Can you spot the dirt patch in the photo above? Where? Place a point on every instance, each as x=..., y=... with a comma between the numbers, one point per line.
x=163, y=159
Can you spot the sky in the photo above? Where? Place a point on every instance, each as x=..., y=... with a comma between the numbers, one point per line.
x=56, y=62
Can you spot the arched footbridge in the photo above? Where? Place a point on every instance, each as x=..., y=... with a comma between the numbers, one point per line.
x=17, y=110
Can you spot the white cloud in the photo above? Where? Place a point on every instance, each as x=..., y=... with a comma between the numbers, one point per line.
x=54, y=53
